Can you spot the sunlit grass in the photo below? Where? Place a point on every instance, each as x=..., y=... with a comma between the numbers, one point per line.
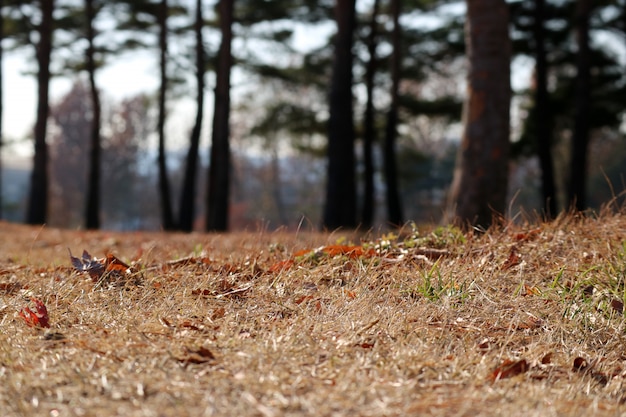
x=521, y=320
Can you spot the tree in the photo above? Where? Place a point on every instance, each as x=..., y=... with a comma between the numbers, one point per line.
x=188, y=195
x=340, y=206
x=369, y=129
x=92, y=215
x=219, y=169
x=394, y=207
x=480, y=177
x=164, y=184
x=38, y=197
x=1, y=99
x=541, y=112
x=582, y=100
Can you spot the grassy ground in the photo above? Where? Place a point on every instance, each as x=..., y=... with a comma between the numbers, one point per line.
x=523, y=320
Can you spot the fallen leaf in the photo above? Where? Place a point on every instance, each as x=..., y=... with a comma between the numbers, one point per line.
x=196, y=355
x=617, y=306
x=281, y=266
x=36, y=319
x=509, y=369
x=580, y=364
x=513, y=260
x=93, y=266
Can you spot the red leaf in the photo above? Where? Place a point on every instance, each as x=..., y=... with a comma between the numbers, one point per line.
x=38, y=319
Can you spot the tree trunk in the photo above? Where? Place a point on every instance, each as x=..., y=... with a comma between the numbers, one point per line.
x=92, y=217
x=543, y=130
x=369, y=129
x=394, y=207
x=188, y=196
x=167, y=217
x=340, y=207
x=38, y=199
x=580, y=136
x=1, y=101
x=219, y=170
x=479, y=186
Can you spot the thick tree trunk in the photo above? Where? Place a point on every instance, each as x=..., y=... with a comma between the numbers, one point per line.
x=38, y=199
x=394, y=207
x=340, y=206
x=188, y=196
x=369, y=129
x=580, y=137
x=92, y=215
x=219, y=170
x=479, y=186
x=167, y=217
x=543, y=131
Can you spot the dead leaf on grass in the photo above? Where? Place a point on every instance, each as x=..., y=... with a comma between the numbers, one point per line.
x=109, y=268
x=196, y=355
x=10, y=287
x=580, y=364
x=617, y=306
x=513, y=260
x=38, y=318
x=508, y=369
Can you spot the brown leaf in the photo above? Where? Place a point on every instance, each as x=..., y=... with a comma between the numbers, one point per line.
x=509, y=369
x=580, y=364
x=617, y=306
x=513, y=260
x=196, y=355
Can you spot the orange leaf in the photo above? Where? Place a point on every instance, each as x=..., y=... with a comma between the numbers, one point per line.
x=281, y=266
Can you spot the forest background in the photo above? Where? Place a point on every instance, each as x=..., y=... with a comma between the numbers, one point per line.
x=261, y=153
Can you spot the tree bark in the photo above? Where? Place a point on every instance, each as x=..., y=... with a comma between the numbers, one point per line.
x=92, y=215
x=167, y=217
x=188, y=196
x=394, y=207
x=478, y=190
x=340, y=206
x=219, y=170
x=369, y=129
x=38, y=198
x=580, y=137
x=1, y=100
x=543, y=131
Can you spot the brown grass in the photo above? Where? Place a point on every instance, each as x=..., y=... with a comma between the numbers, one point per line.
x=525, y=321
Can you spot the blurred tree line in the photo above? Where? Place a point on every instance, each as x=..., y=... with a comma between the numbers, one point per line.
x=328, y=109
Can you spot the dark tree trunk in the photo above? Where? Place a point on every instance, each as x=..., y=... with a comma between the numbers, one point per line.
x=340, y=207
x=394, y=207
x=38, y=199
x=580, y=137
x=369, y=129
x=219, y=170
x=479, y=186
x=188, y=196
x=1, y=101
x=167, y=217
x=92, y=217
x=543, y=130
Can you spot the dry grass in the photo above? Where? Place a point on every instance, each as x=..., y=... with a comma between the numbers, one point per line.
x=518, y=321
